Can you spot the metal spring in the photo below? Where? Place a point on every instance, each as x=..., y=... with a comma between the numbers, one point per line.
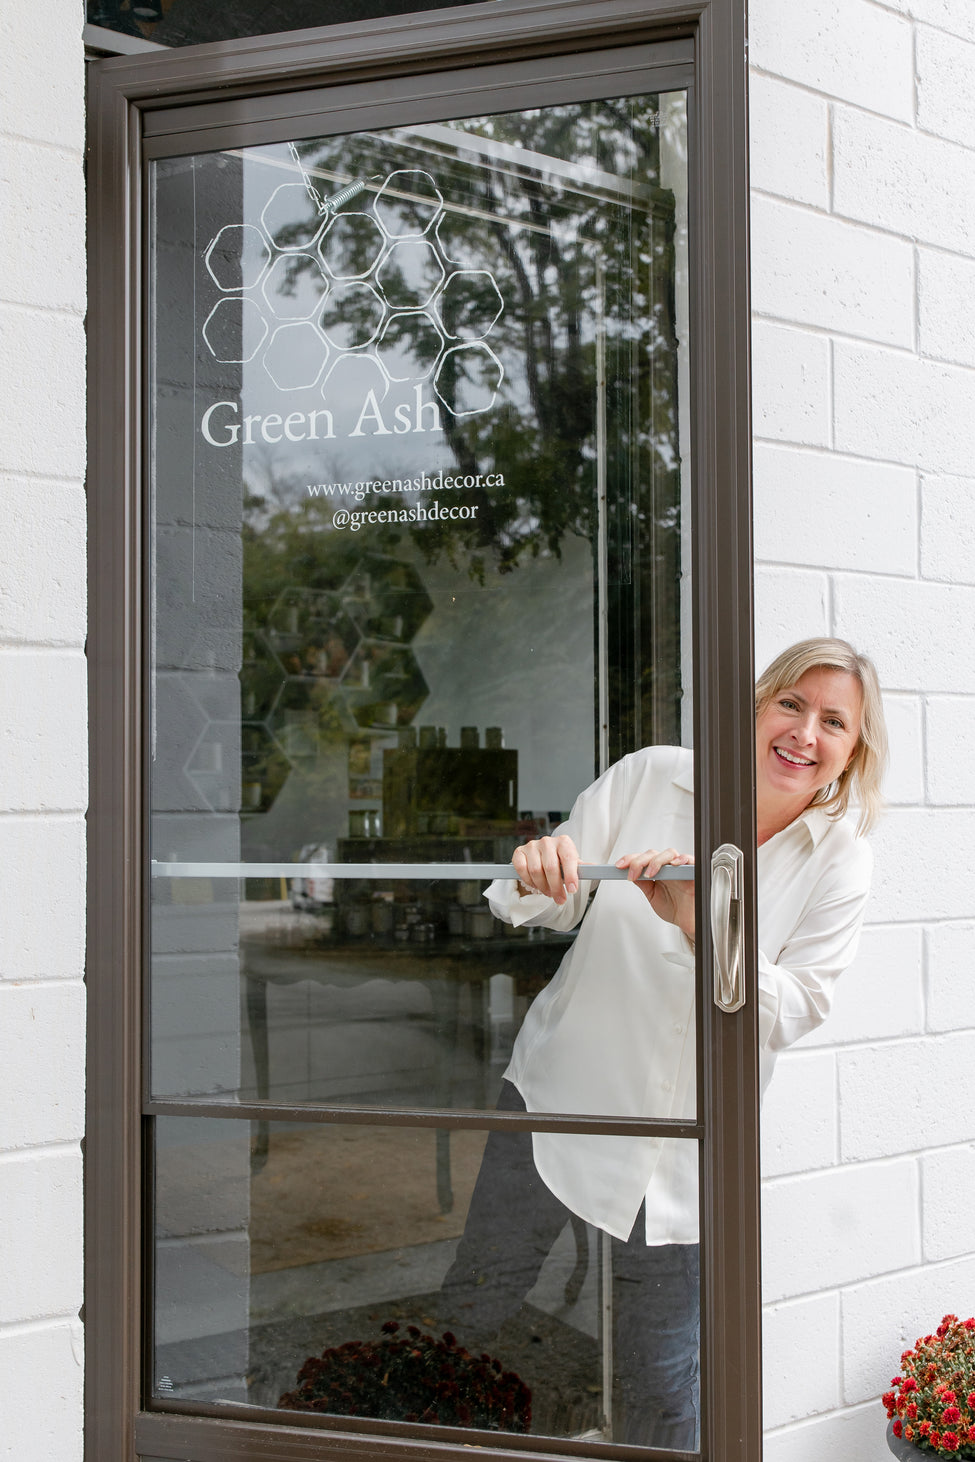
x=351, y=190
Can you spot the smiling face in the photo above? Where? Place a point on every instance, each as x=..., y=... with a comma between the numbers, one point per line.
x=806, y=735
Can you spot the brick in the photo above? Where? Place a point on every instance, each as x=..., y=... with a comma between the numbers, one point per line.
x=946, y=85
x=816, y=270
x=948, y=529
x=951, y=772
x=42, y=563
x=801, y=1359
x=950, y=966
x=846, y=1436
x=789, y=605
x=918, y=634
x=790, y=385
x=42, y=73
x=904, y=782
x=55, y=1429
x=42, y=1051
x=922, y=865
x=954, y=16
x=834, y=1227
x=948, y=1193
x=900, y=408
x=905, y=1096
x=946, y=306
x=40, y=1235
x=42, y=426
x=818, y=508
x=787, y=129
x=846, y=48
x=880, y=995
x=799, y=1118
x=43, y=763
x=42, y=227
x=43, y=862
x=905, y=181
x=884, y=1317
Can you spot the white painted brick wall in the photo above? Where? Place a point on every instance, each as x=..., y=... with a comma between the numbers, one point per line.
x=43, y=753
x=863, y=282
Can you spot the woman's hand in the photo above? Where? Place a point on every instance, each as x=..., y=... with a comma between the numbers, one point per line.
x=671, y=900
x=549, y=866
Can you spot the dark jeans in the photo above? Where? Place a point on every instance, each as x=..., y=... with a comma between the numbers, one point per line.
x=512, y=1224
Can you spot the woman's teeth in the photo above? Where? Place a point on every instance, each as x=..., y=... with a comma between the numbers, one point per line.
x=797, y=761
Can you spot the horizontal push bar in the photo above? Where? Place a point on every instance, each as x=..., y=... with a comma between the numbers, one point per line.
x=590, y=872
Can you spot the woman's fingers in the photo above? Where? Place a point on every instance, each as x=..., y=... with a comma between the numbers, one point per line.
x=648, y=864
x=549, y=866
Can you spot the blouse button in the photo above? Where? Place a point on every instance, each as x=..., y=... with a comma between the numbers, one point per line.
x=666, y=1086
x=679, y=1029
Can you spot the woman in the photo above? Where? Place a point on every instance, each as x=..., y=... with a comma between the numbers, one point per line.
x=613, y=1033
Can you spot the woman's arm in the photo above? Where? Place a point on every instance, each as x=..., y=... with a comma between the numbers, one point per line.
x=796, y=989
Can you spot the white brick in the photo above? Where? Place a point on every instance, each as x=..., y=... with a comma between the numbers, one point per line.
x=834, y=1227
x=883, y=1318
x=789, y=605
x=42, y=425
x=922, y=866
x=905, y=776
x=799, y=1118
x=787, y=130
x=42, y=77
x=846, y=1436
x=42, y=1053
x=801, y=1359
x=948, y=529
x=945, y=85
x=946, y=306
x=879, y=996
x=847, y=48
x=908, y=182
x=948, y=1193
x=899, y=408
x=816, y=270
x=52, y=1356
x=950, y=963
x=821, y=509
x=43, y=760
x=951, y=770
x=906, y=1096
x=40, y=1235
x=790, y=384
x=955, y=16
x=42, y=563
x=42, y=931
x=919, y=635
x=41, y=227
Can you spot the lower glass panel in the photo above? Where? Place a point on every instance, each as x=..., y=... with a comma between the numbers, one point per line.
x=416, y=1275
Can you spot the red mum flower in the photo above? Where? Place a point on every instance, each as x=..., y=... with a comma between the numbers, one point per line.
x=911, y=1412
x=969, y=1324
x=935, y=1439
x=888, y=1399
x=897, y=1429
x=952, y=1414
x=908, y=1384
x=970, y=1398
x=947, y=1396
x=951, y=1441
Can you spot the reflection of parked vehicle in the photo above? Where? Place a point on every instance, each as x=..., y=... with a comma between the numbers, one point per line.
x=312, y=894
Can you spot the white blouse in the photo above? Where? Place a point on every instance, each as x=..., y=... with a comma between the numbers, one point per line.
x=613, y=1033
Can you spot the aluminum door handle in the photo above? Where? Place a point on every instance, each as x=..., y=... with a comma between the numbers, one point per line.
x=727, y=927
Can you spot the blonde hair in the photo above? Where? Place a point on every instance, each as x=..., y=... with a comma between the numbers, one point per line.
x=861, y=780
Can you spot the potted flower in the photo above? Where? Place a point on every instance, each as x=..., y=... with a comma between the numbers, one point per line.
x=412, y=1377
x=931, y=1405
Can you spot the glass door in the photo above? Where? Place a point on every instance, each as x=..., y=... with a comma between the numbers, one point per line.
x=430, y=567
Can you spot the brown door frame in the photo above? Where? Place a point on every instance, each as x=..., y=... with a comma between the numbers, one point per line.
x=237, y=83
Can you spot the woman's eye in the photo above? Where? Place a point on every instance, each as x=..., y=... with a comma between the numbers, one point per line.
x=788, y=705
